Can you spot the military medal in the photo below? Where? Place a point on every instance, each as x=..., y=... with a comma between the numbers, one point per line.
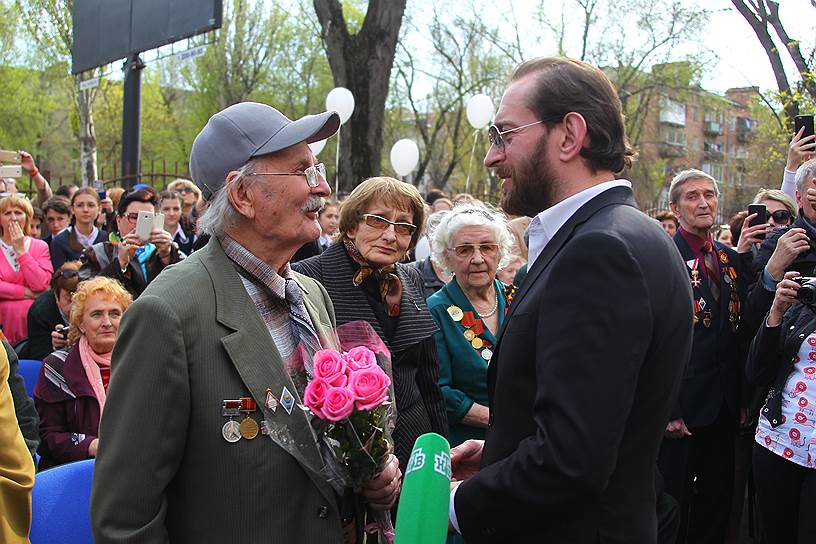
x=456, y=313
x=271, y=402
x=231, y=429
x=287, y=400
x=469, y=335
x=248, y=427
x=707, y=319
x=477, y=343
x=695, y=274
x=487, y=353
x=723, y=257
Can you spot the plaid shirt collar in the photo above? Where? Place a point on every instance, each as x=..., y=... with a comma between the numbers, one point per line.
x=257, y=269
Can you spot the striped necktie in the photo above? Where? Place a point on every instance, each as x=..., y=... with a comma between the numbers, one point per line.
x=712, y=270
x=303, y=331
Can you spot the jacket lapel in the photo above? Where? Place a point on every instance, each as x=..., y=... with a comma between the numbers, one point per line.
x=258, y=362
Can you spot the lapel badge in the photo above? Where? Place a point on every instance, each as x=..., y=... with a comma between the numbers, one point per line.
x=271, y=402
x=287, y=400
x=723, y=257
x=456, y=313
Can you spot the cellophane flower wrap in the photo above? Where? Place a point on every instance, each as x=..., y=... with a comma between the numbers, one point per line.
x=350, y=397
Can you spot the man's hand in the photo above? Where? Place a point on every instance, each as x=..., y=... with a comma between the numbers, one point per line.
x=790, y=245
x=784, y=298
x=800, y=150
x=677, y=429
x=466, y=459
x=750, y=235
x=381, y=491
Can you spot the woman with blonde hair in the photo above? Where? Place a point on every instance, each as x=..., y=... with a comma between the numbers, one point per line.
x=25, y=266
x=191, y=196
x=73, y=382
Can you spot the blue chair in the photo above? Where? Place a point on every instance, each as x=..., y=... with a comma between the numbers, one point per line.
x=30, y=370
x=61, y=504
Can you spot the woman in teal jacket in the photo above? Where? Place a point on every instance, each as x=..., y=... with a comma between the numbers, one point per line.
x=472, y=242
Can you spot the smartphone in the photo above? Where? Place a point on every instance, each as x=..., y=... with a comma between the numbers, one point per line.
x=761, y=218
x=102, y=195
x=144, y=224
x=10, y=156
x=12, y=171
x=805, y=121
x=158, y=221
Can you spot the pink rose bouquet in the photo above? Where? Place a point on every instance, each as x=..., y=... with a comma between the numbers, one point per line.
x=349, y=397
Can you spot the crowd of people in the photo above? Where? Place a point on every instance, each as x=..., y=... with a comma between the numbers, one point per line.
x=598, y=380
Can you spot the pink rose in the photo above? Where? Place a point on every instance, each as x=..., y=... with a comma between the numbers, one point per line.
x=339, y=404
x=360, y=357
x=314, y=396
x=331, y=366
x=369, y=386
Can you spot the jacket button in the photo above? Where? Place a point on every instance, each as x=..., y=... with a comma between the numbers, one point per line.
x=774, y=422
x=323, y=512
x=801, y=336
x=792, y=327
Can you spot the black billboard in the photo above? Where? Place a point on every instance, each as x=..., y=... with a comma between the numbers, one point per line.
x=108, y=30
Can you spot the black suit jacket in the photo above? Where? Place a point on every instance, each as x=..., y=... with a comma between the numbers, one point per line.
x=585, y=373
x=714, y=371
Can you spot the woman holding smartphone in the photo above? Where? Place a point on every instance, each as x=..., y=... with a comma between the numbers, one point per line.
x=132, y=260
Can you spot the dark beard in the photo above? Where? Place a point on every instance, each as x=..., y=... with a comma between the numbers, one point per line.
x=533, y=187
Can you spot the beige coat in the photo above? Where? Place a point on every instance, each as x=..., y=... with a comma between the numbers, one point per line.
x=16, y=468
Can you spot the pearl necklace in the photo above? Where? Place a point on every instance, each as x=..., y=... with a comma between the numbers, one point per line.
x=495, y=307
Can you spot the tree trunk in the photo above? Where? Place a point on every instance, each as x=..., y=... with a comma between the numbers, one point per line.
x=362, y=63
x=87, y=136
x=759, y=23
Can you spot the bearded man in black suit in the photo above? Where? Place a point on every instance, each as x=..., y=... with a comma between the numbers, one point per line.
x=590, y=359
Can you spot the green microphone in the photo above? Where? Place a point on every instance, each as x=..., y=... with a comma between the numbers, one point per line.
x=422, y=517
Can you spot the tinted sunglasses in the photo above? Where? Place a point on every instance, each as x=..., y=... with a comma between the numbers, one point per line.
x=70, y=273
x=781, y=216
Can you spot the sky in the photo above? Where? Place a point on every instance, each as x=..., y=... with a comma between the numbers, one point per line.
x=737, y=58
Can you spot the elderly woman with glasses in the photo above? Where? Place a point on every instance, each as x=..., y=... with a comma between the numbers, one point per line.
x=363, y=273
x=472, y=242
x=126, y=257
x=25, y=267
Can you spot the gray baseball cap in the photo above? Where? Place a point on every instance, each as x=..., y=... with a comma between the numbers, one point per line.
x=248, y=129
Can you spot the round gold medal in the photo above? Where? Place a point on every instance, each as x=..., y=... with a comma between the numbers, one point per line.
x=249, y=428
x=469, y=335
x=456, y=313
x=477, y=343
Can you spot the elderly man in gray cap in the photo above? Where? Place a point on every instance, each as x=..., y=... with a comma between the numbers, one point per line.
x=203, y=438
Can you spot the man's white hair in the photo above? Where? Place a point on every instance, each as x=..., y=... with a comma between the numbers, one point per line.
x=685, y=176
x=219, y=214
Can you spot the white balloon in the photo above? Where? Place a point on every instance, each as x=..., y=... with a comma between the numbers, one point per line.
x=404, y=156
x=340, y=100
x=317, y=146
x=480, y=110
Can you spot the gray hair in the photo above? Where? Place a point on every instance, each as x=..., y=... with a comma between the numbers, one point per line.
x=685, y=176
x=219, y=215
x=470, y=215
x=805, y=173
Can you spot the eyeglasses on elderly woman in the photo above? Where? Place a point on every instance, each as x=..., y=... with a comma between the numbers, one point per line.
x=381, y=223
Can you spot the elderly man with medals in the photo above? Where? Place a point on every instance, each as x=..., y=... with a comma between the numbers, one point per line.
x=697, y=454
x=204, y=438
x=471, y=242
